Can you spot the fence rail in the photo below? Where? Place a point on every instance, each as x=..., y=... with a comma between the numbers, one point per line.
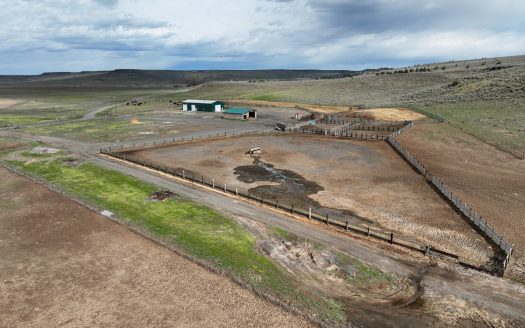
x=347, y=133
x=361, y=121
x=476, y=219
x=375, y=233
x=461, y=206
x=489, y=232
x=172, y=141
x=354, y=128
x=403, y=152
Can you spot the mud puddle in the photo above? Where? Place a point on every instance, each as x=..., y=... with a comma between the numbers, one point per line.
x=291, y=189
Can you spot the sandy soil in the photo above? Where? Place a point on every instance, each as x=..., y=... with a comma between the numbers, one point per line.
x=367, y=178
x=391, y=114
x=6, y=103
x=63, y=265
x=489, y=180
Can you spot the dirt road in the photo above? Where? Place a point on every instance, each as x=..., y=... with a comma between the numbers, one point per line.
x=63, y=265
x=464, y=286
x=367, y=184
x=94, y=113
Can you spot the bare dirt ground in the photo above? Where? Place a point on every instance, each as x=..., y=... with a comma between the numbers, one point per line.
x=63, y=265
x=175, y=122
x=489, y=180
x=390, y=114
x=6, y=102
x=367, y=181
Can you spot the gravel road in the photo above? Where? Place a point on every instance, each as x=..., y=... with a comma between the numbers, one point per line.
x=492, y=293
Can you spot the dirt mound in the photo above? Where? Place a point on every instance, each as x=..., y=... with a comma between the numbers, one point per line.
x=44, y=150
x=162, y=195
x=6, y=103
x=391, y=114
x=334, y=272
x=134, y=121
x=9, y=146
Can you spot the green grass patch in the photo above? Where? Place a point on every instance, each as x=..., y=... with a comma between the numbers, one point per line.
x=266, y=97
x=280, y=233
x=14, y=119
x=197, y=229
x=287, y=236
x=94, y=130
x=64, y=103
x=364, y=274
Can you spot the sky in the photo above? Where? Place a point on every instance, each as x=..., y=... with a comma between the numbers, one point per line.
x=77, y=35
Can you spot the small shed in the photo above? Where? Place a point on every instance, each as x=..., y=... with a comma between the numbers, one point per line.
x=240, y=113
x=196, y=105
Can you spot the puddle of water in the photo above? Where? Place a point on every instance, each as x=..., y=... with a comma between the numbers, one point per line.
x=291, y=188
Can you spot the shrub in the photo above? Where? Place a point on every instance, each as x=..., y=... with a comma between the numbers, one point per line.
x=453, y=83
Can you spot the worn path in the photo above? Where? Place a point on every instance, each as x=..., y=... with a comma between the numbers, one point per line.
x=492, y=293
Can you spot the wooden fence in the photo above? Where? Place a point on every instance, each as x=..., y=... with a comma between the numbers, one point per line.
x=353, y=128
x=347, y=133
x=172, y=141
x=476, y=219
x=375, y=233
x=482, y=225
x=362, y=121
x=407, y=156
x=461, y=206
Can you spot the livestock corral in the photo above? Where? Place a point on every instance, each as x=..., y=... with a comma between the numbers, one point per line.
x=491, y=181
x=351, y=177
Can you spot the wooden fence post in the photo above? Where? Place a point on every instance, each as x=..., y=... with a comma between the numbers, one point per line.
x=391, y=237
x=310, y=213
x=183, y=174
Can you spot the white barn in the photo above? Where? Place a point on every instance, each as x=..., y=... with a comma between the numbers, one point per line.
x=196, y=105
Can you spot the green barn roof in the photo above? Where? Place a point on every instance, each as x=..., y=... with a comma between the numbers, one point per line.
x=237, y=111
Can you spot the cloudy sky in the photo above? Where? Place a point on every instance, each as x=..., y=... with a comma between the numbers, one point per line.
x=73, y=35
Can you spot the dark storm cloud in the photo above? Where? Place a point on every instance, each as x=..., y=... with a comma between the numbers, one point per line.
x=96, y=34
x=376, y=16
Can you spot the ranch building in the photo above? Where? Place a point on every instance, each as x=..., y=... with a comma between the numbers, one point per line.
x=240, y=113
x=195, y=105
